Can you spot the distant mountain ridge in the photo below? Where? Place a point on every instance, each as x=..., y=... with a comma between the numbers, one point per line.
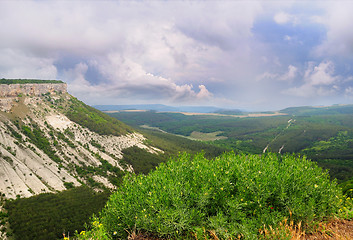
x=300, y=110
x=159, y=108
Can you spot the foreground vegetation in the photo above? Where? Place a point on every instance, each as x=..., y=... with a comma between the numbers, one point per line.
x=231, y=197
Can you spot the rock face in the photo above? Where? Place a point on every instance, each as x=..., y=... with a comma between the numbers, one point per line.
x=42, y=150
x=31, y=89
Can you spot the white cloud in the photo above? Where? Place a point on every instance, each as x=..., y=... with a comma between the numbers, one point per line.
x=339, y=37
x=290, y=75
x=323, y=74
x=130, y=80
x=319, y=80
x=17, y=64
x=348, y=93
x=287, y=76
x=283, y=18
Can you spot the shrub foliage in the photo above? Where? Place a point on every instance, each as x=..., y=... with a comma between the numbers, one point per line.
x=231, y=196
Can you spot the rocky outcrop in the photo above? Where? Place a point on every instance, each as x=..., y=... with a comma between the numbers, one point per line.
x=75, y=153
x=31, y=89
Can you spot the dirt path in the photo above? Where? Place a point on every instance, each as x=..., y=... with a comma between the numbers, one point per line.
x=339, y=229
x=335, y=230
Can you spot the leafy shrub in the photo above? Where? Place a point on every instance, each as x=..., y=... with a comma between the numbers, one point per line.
x=230, y=196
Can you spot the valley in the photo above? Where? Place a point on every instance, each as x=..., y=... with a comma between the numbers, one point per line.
x=314, y=131
x=55, y=151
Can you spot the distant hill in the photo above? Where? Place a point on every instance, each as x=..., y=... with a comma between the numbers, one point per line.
x=158, y=108
x=326, y=110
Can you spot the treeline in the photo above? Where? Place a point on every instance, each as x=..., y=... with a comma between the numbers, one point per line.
x=24, y=81
x=47, y=216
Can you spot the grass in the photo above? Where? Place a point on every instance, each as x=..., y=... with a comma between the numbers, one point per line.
x=230, y=197
x=207, y=136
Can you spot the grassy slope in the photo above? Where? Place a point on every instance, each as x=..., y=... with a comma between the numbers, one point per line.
x=94, y=119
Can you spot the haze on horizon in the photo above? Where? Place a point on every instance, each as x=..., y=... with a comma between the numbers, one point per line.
x=255, y=55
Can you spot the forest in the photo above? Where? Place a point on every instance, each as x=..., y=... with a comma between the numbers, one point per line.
x=325, y=135
x=48, y=216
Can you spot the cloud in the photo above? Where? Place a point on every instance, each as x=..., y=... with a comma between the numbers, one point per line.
x=244, y=53
x=130, y=80
x=319, y=80
x=283, y=18
x=17, y=64
x=287, y=76
x=348, y=93
x=323, y=74
x=290, y=75
x=339, y=36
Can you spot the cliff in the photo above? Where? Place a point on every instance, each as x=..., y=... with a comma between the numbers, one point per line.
x=31, y=89
x=53, y=141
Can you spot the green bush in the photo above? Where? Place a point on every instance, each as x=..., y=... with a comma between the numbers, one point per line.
x=230, y=196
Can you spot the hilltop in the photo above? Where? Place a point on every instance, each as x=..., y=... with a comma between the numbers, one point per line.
x=50, y=141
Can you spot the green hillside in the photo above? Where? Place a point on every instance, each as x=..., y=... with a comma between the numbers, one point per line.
x=310, y=111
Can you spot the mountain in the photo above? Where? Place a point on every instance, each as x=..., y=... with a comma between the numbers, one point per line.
x=158, y=108
x=50, y=141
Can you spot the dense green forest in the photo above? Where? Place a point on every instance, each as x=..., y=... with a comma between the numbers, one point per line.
x=47, y=216
x=323, y=134
x=24, y=81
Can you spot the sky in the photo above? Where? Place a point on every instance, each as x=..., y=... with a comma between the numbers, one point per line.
x=249, y=55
